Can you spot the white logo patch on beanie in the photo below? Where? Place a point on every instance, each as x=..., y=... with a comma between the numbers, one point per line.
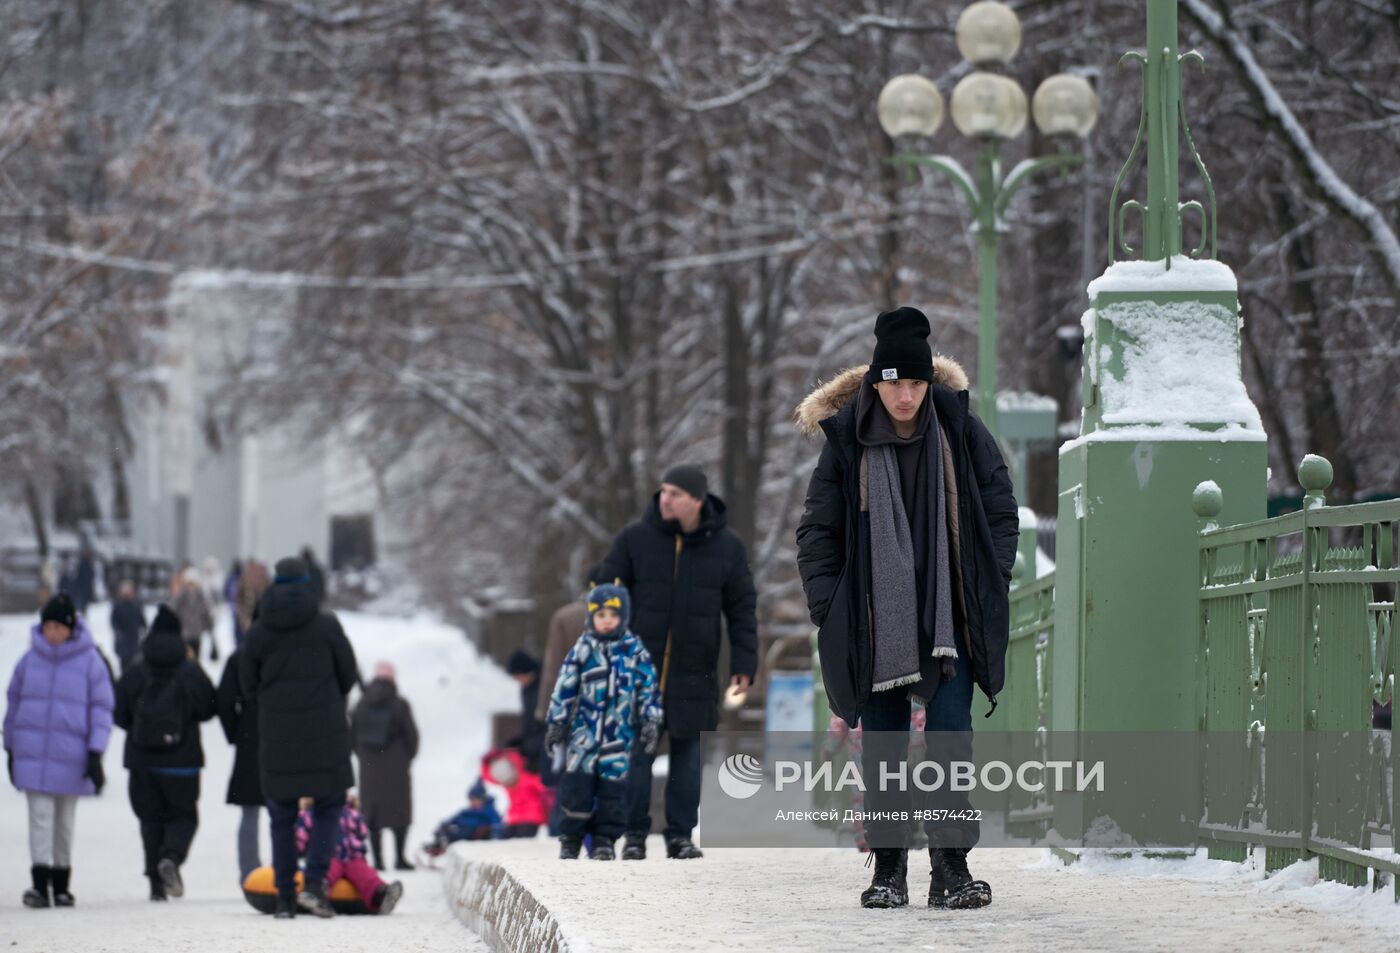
x=889, y=374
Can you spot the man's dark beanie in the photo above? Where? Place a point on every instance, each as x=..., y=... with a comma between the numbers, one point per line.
x=60, y=609
x=901, y=346
x=291, y=569
x=689, y=477
x=520, y=662
x=165, y=621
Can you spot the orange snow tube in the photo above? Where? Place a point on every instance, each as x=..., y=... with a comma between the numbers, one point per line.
x=260, y=890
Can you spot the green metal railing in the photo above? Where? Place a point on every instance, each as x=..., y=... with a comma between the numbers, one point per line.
x=1026, y=699
x=1296, y=639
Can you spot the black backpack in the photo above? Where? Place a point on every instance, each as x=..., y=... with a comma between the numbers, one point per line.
x=374, y=726
x=161, y=717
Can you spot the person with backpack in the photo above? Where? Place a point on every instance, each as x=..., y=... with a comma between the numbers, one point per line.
x=160, y=702
x=386, y=742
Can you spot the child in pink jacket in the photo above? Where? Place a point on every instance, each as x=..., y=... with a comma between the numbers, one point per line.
x=349, y=862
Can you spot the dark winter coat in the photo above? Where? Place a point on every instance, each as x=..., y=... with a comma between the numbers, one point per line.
x=239, y=716
x=163, y=662
x=833, y=537
x=297, y=668
x=128, y=625
x=386, y=742
x=681, y=583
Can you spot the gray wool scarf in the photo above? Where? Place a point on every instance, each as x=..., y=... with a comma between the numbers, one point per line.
x=894, y=587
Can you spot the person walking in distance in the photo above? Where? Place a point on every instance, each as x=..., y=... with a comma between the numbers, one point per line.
x=57, y=723
x=297, y=669
x=161, y=701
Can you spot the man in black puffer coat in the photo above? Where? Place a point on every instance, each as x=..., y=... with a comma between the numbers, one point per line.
x=685, y=568
x=905, y=549
x=297, y=669
x=161, y=699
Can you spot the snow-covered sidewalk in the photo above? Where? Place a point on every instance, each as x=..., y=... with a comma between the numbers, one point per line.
x=452, y=690
x=806, y=900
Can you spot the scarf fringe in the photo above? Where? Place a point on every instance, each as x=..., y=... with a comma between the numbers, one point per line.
x=889, y=683
x=944, y=651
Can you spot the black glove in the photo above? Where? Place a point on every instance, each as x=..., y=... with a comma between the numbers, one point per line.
x=10, y=766
x=94, y=770
x=650, y=735
x=555, y=735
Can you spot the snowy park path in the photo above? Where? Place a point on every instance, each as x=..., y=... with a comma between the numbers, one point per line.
x=770, y=900
x=452, y=691
x=806, y=900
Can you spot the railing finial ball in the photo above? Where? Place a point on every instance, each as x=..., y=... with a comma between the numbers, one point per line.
x=1207, y=500
x=1314, y=474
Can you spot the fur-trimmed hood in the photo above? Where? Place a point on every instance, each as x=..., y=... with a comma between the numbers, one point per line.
x=830, y=396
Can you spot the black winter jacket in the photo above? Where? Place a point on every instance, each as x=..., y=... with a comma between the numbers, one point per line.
x=681, y=584
x=833, y=537
x=297, y=668
x=239, y=717
x=162, y=661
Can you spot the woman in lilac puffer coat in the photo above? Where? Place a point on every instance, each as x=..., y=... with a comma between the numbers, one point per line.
x=56, y=728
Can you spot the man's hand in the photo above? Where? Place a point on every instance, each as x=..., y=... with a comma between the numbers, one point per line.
x=742, y=681
x=650, y=736
x=94, y=770
x=555, y=735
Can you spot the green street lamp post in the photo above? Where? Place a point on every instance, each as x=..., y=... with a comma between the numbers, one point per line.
x=989, y=108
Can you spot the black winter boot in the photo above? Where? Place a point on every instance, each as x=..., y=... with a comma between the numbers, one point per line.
x=635, y=848
x=679, y=847
x=169, y=873
x=569, y=846
x=950, y=883
x=37, y=897
x=286, y=908
x=158, y=894
x=315, y=899
x=60, y=878
x=602, y=848
x=889, y=887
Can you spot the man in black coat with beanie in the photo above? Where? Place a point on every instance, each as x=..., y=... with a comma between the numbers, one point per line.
x=297, y=669
x=905, y=550
x=685, y=569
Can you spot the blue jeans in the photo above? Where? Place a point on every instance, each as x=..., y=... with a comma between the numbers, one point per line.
x=948, y=733
x=325, y=828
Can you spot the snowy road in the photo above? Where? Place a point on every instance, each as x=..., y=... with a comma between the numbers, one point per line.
x=451, y=690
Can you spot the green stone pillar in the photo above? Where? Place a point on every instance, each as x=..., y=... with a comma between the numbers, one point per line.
x=1165, y=408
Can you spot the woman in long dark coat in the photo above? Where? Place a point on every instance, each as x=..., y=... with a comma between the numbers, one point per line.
x=386, y=742
x=238, y=715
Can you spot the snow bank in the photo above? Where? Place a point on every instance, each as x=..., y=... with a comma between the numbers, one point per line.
x=1296, y=887
x=491, y=901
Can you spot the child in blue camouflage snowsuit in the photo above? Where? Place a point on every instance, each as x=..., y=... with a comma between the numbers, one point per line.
x=604, y=703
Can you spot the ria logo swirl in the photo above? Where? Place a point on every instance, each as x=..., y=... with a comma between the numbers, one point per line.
x=740, y=776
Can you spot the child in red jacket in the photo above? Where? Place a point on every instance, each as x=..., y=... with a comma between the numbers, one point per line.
x=529, y=801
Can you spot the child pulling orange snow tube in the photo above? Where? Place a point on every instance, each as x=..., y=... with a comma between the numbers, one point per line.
x=260, y=890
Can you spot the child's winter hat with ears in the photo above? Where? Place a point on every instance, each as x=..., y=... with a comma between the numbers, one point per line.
x=610, y=595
